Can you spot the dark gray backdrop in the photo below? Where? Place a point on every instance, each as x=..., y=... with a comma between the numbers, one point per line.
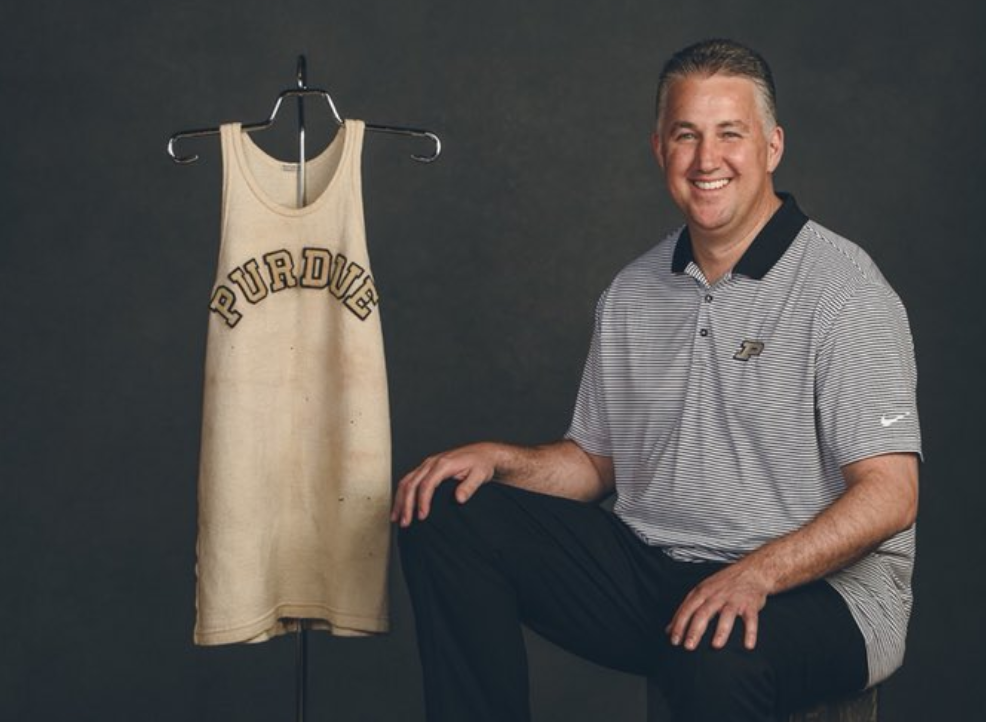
x=489, y=263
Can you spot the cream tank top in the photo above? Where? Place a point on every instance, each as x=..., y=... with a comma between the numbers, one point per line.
x=294, y=480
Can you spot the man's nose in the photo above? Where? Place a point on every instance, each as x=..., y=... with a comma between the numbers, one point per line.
x=707, y=155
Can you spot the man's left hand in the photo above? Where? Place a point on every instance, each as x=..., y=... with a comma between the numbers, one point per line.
x=734, y=592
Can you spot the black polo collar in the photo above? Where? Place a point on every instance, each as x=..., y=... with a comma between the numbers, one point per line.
x=767, y=248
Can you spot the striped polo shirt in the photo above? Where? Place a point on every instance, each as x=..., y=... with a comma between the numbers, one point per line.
x=728, y=409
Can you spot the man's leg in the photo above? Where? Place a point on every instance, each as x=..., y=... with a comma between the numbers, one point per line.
x=581, y=578
x=476, y=571
x=815, y=645
x=808, y=649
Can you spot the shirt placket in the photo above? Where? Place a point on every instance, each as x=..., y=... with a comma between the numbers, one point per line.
x=702, y=345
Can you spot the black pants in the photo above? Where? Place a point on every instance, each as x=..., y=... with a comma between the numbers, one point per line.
x=578, y=576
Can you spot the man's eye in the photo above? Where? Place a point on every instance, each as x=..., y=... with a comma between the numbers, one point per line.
x=685, y=136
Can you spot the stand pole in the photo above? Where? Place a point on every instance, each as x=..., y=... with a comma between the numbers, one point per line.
x=301, y=635
x=301, y=670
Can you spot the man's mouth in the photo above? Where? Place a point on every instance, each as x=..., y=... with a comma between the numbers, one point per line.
x=712, y=185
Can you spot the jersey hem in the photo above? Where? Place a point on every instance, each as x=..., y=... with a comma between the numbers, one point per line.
x=280, y=620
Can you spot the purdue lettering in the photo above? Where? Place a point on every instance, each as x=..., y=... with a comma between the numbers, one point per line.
x=319, y=270
x=363, y=298
x=315, y=267
x=281, y=267
x=223, y=300
x=339, y=285
x=253, y=287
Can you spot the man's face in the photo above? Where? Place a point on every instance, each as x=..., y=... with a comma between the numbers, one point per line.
x=716, y=158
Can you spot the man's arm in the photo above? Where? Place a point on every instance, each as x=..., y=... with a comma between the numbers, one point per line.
x=559, y=469
x=881, y=500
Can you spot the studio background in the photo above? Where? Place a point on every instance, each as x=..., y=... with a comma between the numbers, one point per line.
x=488, y=262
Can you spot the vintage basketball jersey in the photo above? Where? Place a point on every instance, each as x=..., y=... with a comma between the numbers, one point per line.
x=294, y=481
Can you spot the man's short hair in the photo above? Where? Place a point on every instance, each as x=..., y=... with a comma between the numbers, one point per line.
x=726, y=57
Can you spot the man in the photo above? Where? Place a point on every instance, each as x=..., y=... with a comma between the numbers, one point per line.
x=749, y=397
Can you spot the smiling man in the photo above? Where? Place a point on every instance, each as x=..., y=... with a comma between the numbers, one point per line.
x=718, y=148
x=749, y=397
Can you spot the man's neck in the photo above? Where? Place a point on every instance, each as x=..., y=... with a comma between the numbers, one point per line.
x=716, y=255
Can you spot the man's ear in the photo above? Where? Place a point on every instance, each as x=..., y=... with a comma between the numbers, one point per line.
x=655, y=144
x=775, y=148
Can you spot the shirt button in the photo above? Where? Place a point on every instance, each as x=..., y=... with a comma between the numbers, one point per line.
x=708, y=298
x=704, y=332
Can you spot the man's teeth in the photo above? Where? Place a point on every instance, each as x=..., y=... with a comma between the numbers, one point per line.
x=712, y=185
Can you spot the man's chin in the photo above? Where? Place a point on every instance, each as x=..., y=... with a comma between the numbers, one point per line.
x=707, y=222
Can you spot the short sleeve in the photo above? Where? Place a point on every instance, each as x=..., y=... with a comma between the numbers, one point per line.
x=589, y=428
x=865, y=380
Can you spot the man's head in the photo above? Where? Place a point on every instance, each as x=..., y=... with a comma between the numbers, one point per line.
x=723, y=57
x=717, y=140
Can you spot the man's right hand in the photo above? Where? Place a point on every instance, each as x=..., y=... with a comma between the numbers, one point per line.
x=471, y=465
x=561, y=469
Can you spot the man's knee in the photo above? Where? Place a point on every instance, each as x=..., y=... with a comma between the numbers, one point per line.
x=422, y=530
x=448, y=519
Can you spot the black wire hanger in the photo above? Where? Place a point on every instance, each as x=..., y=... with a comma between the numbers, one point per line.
x=301, y=92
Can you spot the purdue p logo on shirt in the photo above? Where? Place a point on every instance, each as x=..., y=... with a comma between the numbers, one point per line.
x=749, y=349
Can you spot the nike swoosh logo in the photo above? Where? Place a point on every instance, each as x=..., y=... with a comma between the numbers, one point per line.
x=891, y=420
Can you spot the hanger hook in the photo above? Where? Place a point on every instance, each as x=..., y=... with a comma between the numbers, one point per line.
x=434, y=156
x=179, y=159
